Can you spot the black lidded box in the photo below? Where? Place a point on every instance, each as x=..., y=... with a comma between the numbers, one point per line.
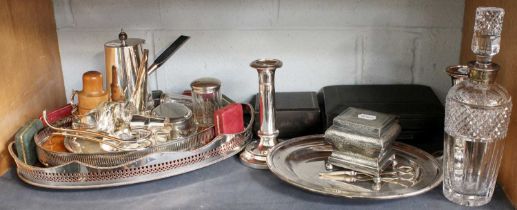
x=297, y=114
x=421, y=112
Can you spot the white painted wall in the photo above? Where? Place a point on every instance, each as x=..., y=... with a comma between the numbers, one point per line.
x=321, y=42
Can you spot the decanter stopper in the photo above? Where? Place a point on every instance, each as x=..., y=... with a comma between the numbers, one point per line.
x=487, y=32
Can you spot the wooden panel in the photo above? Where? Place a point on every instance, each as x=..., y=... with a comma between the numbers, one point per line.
x=30, y=72
x=507, y=58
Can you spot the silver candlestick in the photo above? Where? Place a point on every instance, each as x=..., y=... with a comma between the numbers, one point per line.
x=256, y=152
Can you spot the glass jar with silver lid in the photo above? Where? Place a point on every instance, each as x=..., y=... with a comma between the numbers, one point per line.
x=206, y=98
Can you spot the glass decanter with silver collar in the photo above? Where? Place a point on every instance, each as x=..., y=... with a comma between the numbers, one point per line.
x=477, y=114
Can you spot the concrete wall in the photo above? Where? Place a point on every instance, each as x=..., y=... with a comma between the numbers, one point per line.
x=325, y=42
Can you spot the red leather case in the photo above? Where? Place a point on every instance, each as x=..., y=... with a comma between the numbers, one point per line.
x=57, y=114
x=229, y=119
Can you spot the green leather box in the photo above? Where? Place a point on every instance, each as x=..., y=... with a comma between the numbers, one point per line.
x=24, y=140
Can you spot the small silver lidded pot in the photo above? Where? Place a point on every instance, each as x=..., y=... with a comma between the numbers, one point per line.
x=206, y=98
x=256, y=152
x=177, y=117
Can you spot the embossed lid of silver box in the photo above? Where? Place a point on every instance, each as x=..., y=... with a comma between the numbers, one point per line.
x=364, y=122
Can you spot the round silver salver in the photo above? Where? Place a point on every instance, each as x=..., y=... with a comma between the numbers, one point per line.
x=300, y=161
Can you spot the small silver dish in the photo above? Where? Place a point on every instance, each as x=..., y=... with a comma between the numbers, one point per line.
x=301, y=161
x=177, y=118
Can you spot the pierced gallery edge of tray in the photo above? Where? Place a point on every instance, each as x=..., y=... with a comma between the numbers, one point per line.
x=108, y=159
x=153, y=166
x=300, y=161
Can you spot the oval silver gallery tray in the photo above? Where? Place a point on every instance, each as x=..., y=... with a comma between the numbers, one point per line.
x=156, y=165
x=301, y=161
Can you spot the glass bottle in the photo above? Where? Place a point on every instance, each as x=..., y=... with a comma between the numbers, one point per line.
x=206, y=98
x=477, y=114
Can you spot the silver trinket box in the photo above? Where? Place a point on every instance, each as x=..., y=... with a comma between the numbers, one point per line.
x=362, y=141
x=364, y=122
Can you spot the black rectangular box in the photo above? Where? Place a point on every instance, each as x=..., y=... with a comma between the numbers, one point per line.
x=297, y=114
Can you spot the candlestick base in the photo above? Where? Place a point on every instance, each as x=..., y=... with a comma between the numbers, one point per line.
x=254, y=157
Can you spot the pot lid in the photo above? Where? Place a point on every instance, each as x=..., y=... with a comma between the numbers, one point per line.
x=123, y=41
x=175, y=112
x=205, y=85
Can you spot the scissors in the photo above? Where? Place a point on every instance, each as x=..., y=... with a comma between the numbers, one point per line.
x=401, y=175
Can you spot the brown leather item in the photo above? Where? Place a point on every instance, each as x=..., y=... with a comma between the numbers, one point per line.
x=92, y=94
